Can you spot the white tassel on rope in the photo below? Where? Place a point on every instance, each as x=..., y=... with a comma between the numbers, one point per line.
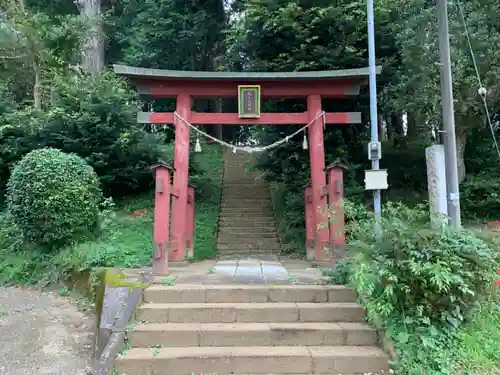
x=234, y=150
x=304, y=142
x=197, y=146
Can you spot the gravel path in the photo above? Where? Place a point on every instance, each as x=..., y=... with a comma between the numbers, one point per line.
x=42, y=334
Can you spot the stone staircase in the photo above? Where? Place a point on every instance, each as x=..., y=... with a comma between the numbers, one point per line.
x=246, y=222
x=250, y=329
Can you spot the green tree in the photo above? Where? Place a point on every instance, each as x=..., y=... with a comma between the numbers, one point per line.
x=167, y=34
x=33, y=46
x=419, y=76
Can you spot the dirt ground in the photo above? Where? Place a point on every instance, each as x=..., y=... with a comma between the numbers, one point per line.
x=43, y=334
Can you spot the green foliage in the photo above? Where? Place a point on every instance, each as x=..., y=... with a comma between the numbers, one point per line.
x=33, y=46
x=54, y=197
x=477, y=343
x=11, y=236
x=423, y=283
x=207, y=205
x=167, y=34
x=480, y=196
x=287, y=36
x=95, y=118
x=288, y=209
x=417, y=75
x=124, y=238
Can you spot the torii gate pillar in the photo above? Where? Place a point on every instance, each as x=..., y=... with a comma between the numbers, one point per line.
x=181, y=179
x=318, y=180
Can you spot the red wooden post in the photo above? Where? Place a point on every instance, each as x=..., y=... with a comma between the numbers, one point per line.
x=309, y=215
x=161, y=218
x=190, y=222
x=336, y=209
x=318, y=181
x=181, y=177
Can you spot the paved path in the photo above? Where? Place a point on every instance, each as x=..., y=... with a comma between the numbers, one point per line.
x=42, y=334
x=271, y=270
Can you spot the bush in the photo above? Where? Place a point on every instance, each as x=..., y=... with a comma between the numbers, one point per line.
x=95, y=118
x=423, y=283
x=481, y=197
x=54, y=197
x=11, y=238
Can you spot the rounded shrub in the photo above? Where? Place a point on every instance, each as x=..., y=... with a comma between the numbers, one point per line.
x=54, y=197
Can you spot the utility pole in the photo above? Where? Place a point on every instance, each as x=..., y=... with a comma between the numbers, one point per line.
x=374, y=146
x=450, y=146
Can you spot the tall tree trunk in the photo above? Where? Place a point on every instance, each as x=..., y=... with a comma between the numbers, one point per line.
x=388, y=127
x=218, y=127
x=461, y=140
x=37, y=89
x=412, y=127
x=397, y=124
x=93, y=51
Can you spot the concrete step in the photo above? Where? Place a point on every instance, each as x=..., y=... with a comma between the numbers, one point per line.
x=248, y=334
x=285, y=312
x=252, y=360
x=254, y=245
x=186, y=293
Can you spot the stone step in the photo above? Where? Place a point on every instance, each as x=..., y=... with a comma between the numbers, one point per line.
x=254, y=245
x=246, y=193
x=246, y=220
x=247, y=334
x=246, y=198
x=258, y=253
x=250, y=182
x=237, y=181
x=230, y=201
x=283, y=312
x=186, y=293
x=248, y=216
x=252, y=216
x=261, y=202
x=247, y=187
x=247, y=207
x=237, y=228
x=252, y=360
x=226, y=236
x=244, y=209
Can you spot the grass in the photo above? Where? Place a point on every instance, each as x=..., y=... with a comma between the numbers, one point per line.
x=478, y=343
x=127, y=235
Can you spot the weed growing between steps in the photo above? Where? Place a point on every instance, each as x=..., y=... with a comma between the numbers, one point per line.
x=429, y=290
x=126, y=238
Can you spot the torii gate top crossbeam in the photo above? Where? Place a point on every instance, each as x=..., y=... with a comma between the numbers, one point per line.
x=170, y=83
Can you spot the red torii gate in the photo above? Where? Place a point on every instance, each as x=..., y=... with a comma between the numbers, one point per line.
x=184, y=85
